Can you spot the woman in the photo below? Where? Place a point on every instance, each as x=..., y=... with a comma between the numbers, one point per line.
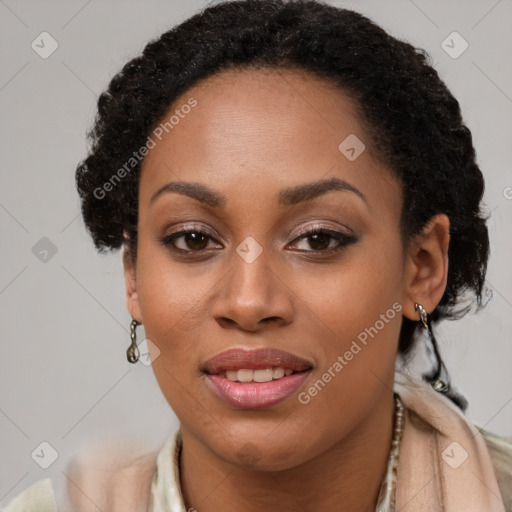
x=298, y=203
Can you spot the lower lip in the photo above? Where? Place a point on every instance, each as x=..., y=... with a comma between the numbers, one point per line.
x=256, y=395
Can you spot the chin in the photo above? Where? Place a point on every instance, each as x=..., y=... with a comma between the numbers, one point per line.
x=259, y=453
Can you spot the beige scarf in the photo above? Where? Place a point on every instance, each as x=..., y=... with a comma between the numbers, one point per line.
x=443, y=466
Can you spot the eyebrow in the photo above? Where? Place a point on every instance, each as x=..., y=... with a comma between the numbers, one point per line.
x=287, y=197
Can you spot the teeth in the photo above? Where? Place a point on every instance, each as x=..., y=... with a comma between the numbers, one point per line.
x=278, y=372
x=231, y=375
x=245, y=375
x=262, y=375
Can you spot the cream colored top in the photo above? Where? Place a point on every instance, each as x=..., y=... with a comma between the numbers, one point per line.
x=165, y=491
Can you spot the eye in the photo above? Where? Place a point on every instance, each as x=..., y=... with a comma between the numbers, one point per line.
x=193, y=240
x=321, y=239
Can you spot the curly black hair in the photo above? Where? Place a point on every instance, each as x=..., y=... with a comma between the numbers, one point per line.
x=413, y=122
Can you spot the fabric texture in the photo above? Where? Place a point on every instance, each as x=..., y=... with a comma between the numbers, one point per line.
x=38, y=497
x=445, y=464
x=500, y=450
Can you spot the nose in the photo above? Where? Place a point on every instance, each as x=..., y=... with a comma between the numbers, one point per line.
x=253, y=296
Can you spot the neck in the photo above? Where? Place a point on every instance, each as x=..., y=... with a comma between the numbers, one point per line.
x=345, y=477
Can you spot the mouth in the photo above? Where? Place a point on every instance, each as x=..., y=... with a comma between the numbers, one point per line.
x=260, y=375
x=255, y=378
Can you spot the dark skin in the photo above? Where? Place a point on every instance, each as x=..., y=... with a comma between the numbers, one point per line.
x=252, y=134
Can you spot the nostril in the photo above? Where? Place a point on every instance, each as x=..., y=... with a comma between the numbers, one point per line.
x=269, y=319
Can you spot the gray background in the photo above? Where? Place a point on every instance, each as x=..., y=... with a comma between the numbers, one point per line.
x=64, y=377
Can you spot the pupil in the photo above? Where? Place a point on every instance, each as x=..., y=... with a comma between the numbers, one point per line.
x=193, y=242
x=323, y=237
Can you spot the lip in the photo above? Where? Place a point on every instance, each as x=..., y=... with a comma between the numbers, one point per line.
x=255, y=359
x=255, y=395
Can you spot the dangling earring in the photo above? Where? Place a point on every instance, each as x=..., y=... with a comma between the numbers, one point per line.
x=133, y=352
x=435, y=381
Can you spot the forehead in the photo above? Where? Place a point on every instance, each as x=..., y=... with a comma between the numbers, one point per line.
x=262, y=129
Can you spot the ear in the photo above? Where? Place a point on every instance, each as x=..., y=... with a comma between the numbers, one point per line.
x=426, y=268
x=130, y=280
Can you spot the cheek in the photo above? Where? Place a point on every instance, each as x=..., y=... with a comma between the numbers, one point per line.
x=359, y=308
x=169, y=292
x=362, y=320
x=360, y=292
x=169, y=307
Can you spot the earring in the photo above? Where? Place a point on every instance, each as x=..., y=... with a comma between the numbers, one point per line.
x=132, y=352
x=435, y=381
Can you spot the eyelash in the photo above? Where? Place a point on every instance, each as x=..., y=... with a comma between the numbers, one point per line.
x=342, y=239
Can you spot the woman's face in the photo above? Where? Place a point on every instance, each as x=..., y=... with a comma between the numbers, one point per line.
x=260, y=147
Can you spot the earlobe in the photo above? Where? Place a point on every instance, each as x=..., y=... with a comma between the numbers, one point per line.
x=131, y=293
x=427, y=267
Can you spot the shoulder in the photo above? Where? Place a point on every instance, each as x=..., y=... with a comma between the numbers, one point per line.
x=39, y=496
x=432, y=415
x=500, y=450
x=113, y=477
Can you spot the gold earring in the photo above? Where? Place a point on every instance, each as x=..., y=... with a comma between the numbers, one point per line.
x=132, y=352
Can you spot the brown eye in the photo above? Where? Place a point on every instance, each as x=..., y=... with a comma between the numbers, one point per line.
x=191, y=240
x=195, y=241
x=319, y=240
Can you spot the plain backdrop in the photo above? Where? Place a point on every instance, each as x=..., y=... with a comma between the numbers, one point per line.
x=64, y=377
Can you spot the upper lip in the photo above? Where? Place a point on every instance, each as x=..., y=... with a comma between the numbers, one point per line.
x=254, y=359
